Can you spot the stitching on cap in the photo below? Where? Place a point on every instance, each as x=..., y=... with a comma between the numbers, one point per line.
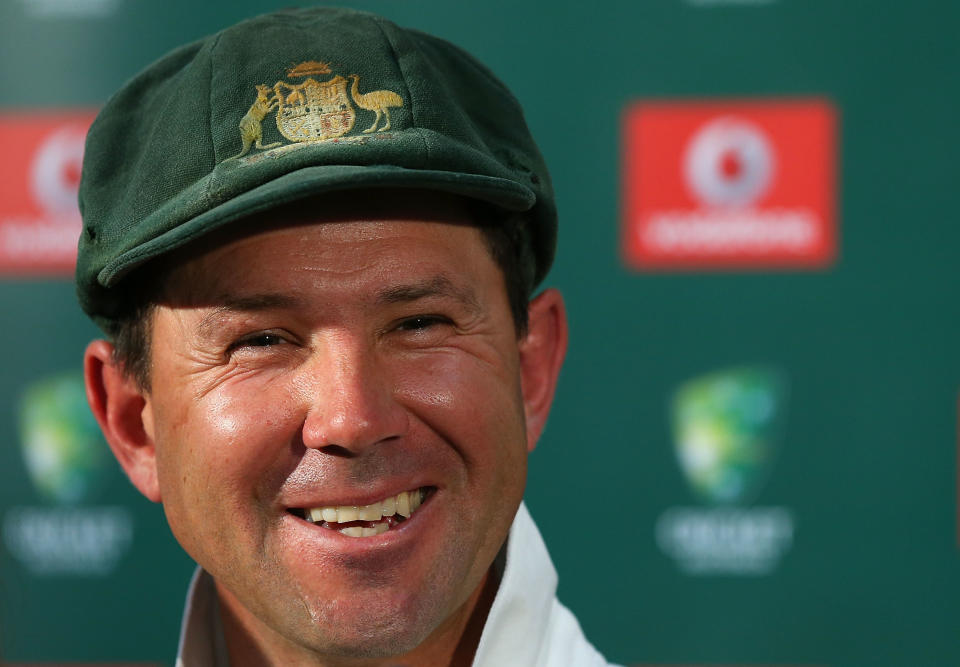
x=213, y=147
x=378, y=21
x=473, y=61
x=396, y=59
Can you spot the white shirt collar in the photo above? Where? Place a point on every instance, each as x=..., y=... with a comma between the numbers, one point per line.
x=516, y=628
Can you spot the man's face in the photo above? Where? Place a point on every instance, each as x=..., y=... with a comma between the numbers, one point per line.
x=335, y=364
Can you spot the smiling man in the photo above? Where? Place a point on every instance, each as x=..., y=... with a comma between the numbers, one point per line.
x=311, y=240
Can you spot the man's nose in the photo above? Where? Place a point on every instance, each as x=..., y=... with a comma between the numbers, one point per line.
x=351, y=399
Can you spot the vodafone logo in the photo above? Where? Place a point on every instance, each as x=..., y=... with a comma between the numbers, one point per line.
x=732, y=184
x=39, y=178
x=55, y=172
x=729, y=162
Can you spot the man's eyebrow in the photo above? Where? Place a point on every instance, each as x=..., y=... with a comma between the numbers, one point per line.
x=439, y=285
x=253, y=303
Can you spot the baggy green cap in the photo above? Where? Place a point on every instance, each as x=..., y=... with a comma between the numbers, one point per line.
x=289, y=105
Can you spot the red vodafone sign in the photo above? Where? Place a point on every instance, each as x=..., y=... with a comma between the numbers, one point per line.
x=730, y=184
x=39, y=177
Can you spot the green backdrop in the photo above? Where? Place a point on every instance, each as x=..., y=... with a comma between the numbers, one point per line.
x=857, y=495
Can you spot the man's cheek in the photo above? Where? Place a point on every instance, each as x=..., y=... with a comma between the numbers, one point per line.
x=450, y=379
x=442, y=391
x=234, y=417
x=444, y=395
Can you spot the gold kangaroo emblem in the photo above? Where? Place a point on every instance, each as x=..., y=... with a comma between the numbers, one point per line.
x=378, y=101
x=251, y=130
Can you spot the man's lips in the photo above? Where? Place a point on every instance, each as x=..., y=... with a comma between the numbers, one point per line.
x=366, y=520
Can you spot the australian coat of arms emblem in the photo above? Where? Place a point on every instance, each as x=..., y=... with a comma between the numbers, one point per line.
x=313, y=110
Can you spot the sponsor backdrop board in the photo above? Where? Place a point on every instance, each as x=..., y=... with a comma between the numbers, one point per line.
x=753, y=454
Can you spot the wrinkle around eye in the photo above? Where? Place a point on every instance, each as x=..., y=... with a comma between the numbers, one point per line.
x=277, y=354
x=214, y=368
x=423, y=331
x=476, y=338
x=236, y=371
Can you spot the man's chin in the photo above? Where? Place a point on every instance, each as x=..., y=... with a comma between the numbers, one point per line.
x=363, y=634
x=370, y=647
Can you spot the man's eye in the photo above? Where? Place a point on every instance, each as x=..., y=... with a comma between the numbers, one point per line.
x=259, y=340
x=422, y=322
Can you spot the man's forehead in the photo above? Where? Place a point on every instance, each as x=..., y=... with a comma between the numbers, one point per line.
x=369, y=206
x=225, y=304
x=431, y=236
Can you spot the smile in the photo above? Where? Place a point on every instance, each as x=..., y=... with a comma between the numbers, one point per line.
x=367, y=520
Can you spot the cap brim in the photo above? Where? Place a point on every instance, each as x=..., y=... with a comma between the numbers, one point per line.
x=316, y=180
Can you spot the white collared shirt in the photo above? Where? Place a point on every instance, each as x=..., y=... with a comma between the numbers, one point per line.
x=526, y=626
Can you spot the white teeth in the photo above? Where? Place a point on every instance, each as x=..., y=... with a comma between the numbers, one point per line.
x=370, y=512
x=403, y=504
x=347, y=513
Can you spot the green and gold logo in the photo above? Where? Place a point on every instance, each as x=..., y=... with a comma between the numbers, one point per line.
x=63, y=450
x=725, y=428
x=68, y=463
x=312, y=110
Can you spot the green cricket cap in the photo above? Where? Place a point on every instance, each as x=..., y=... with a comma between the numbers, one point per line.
x=289, y=105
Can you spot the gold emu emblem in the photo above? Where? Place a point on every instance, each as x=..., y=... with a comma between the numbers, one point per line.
x=313, y=110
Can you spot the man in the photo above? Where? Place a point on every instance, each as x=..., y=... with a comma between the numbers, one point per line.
x=312, y=239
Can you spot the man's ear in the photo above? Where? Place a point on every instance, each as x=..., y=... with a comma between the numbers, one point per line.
x=541, y=354
x=122, y=410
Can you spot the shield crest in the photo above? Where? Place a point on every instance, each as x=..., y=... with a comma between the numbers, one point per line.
x=314, y=110
x=725, y=428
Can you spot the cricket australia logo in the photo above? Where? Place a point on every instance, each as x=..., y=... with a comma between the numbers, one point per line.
x=313, y=110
